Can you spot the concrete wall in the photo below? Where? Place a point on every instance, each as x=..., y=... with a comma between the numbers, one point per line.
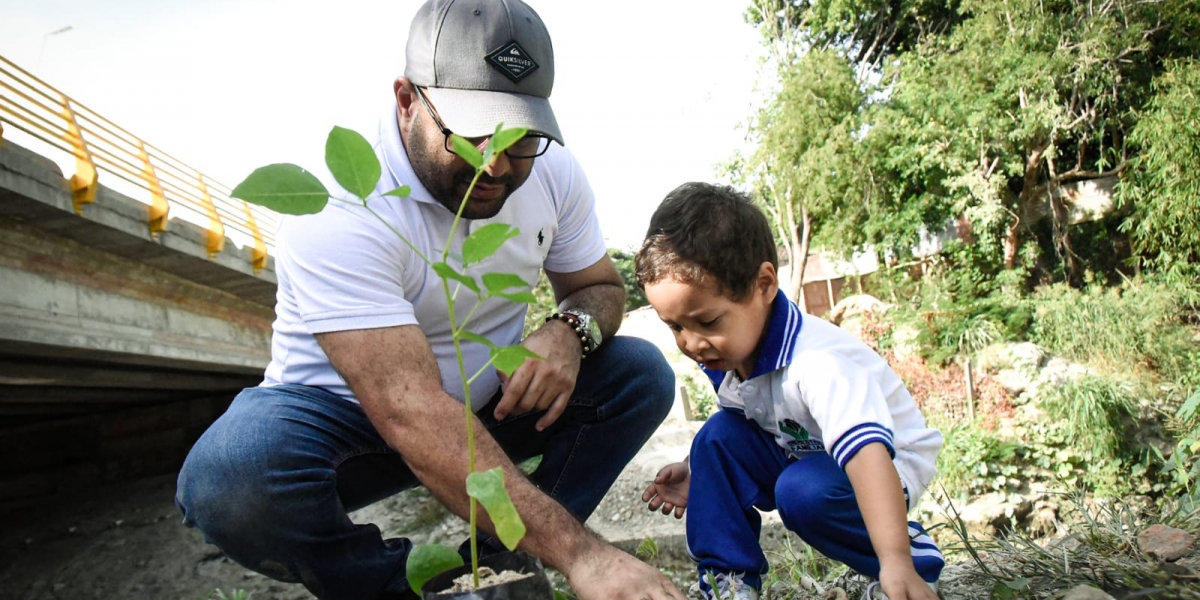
x=69, y=298
x=118, y=347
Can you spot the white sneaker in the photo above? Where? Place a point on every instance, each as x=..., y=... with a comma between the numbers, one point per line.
x=729, y=587
x=875, y=591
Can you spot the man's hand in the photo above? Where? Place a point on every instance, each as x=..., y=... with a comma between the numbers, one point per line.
x=670, y=489
x=900, y=581
x=610, y=574
x=544, y=384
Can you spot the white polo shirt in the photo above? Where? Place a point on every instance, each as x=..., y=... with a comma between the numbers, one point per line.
x=342, y=269
x=817, y=388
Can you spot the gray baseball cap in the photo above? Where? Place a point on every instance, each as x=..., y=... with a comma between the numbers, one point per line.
x=484, y=62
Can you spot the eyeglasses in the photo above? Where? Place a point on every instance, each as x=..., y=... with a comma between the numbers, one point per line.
x=532, y=145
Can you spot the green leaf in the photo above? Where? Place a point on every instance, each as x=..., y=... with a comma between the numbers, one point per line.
x=486, y=240
x=474, y=337
x=1002, y=592
x=519, y=297
x=445, y=271
x=466, y=151
x=488, y=488
x=1187, y=411
x=500, y=141
x=504, y=138
x=498, y=282
x=400, y=192
x=560, y=595
x=509, y=358
x=647, y=550
x=1018, y=583
x=284, y=188
x=427, y=561
x=352, y=161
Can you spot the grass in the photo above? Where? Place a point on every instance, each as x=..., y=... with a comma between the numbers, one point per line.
x=1096, y=412
x=1100, y=551
x=796, y=563
x=219, y=594
x=1136, y=328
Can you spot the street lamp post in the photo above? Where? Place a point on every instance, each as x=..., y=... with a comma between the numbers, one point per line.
x=47, y=37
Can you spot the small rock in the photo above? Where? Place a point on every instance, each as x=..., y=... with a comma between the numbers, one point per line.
x=1014, y=381
x=836, y=593
x=780, y=589
x=1166, y=543
x=1086, y=592
x=1025, y=356
x=616, y=517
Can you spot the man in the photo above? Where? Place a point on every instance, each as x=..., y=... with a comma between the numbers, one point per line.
x=362, y=398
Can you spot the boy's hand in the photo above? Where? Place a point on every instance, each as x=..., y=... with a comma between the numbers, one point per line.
x=901, y=582
x=669, y=491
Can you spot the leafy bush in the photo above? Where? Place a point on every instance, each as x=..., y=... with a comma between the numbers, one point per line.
x=700, y=394
x=1132, y=328
x=623, y=261
x=974, y=460
x=1183, y=466
x=1096, y=414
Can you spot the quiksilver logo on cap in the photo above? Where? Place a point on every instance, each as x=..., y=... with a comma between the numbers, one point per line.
x=512, y=60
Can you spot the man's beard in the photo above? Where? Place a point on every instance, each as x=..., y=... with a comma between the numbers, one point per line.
x=449, y=191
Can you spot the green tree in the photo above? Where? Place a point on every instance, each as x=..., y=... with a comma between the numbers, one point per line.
x=865, y=31
x=982, y=109
x=805, y=169
x=1020, y=99
x=1163, y=180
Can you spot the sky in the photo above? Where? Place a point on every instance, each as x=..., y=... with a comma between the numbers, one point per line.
x=649, y=94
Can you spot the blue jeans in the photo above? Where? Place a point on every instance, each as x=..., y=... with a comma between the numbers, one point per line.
x=271, y=481
x=737, y=467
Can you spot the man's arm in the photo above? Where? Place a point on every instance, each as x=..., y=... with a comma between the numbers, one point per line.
x=547, y=384
x=396, y=379
x=597, y=290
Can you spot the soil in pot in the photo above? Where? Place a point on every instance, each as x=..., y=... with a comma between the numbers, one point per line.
x=515, y=576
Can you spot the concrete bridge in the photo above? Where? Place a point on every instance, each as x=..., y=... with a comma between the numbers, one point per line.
x=123, y=332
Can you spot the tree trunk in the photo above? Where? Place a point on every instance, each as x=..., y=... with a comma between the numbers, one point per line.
x=1012, y=240
x=801, y=233
x=1030, y=193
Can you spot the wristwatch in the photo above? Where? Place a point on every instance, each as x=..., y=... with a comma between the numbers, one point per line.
x=585, y=327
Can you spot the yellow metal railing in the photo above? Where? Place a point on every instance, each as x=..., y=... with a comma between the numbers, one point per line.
x=101, y=148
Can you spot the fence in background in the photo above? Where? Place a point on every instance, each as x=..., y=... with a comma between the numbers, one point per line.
x=101, y=148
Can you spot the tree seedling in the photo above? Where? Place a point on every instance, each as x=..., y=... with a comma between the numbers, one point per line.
x=289, y=189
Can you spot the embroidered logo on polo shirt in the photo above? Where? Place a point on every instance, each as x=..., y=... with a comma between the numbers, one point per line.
x=541, y=237
x=800, y=442
x=512, y=60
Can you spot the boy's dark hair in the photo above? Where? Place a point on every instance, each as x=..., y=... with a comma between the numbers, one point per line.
x=703, y=232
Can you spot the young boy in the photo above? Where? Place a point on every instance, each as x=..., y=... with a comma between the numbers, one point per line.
x=813, y=423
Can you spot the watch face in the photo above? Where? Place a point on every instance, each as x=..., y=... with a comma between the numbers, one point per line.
x=593, y=329
x=589, y=325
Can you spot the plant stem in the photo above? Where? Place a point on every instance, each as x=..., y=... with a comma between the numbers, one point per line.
x=462, y=374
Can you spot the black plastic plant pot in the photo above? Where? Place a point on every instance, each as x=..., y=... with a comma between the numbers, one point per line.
x=535, y=587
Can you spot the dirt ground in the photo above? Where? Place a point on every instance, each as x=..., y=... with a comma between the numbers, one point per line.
x=127, y=541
